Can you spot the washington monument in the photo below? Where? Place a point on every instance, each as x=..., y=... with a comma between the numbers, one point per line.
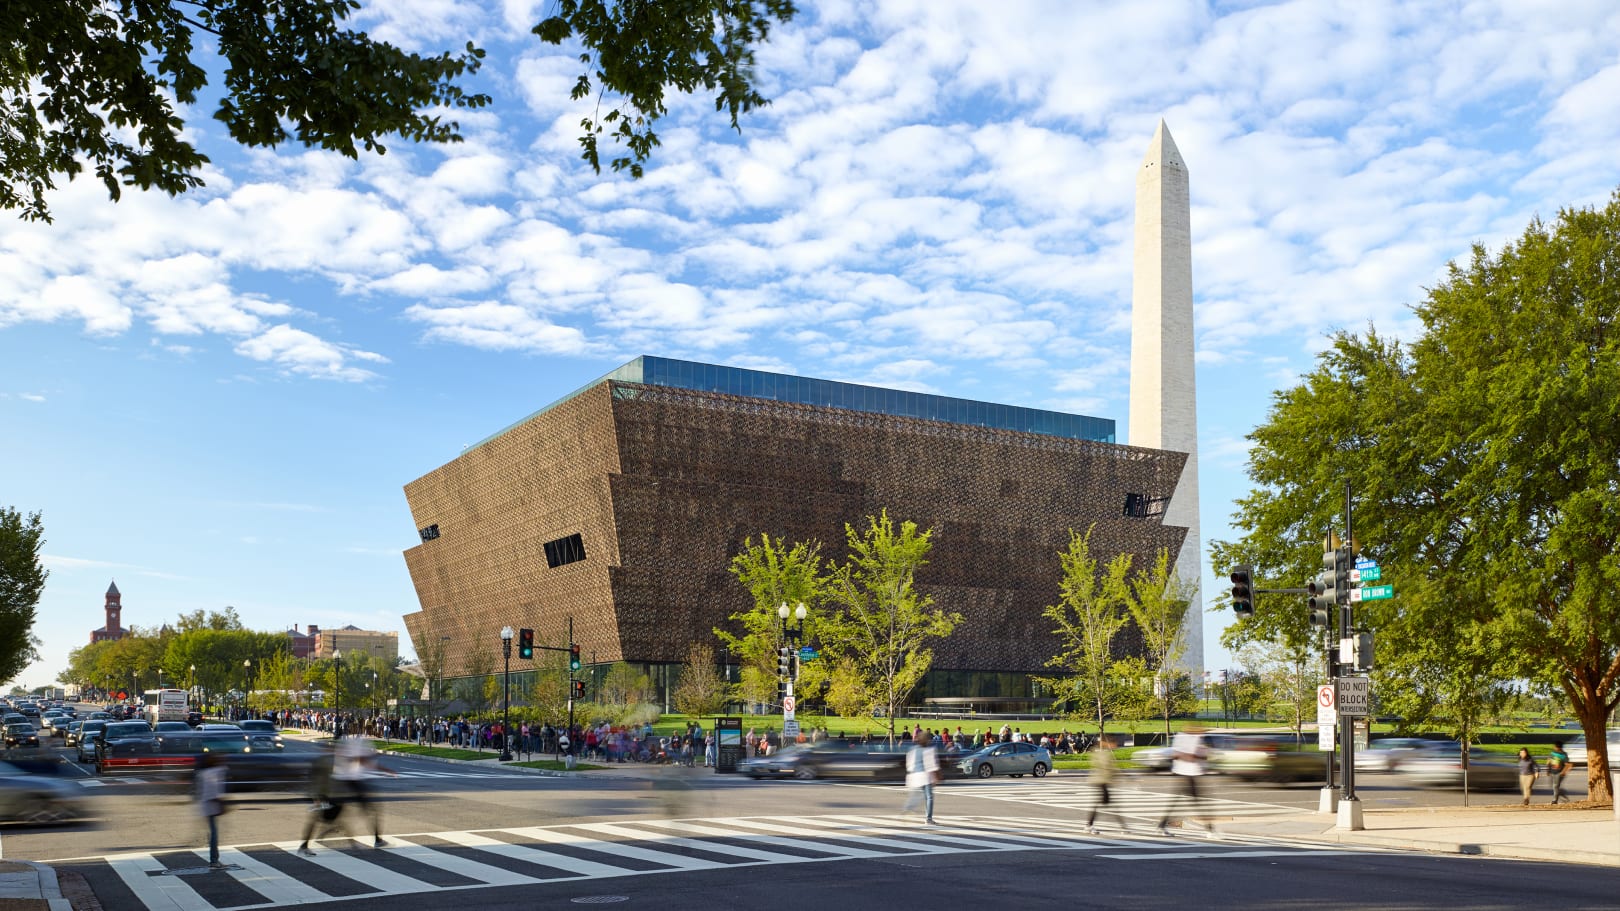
x=1164, y=407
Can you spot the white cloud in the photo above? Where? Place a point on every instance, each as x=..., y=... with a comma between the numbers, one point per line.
x=298, y=352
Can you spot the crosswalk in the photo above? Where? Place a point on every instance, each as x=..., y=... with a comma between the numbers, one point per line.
x=1131, y=803
x=493, y=773
x=275, y=875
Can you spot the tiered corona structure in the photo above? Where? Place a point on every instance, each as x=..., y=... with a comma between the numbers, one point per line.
x=622, y=506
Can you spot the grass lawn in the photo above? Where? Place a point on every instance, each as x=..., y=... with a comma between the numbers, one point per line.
x=553, y=765
x=411, y=749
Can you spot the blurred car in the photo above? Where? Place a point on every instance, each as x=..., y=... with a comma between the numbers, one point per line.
x=262, y=734
x=99, y=716
x=121, y=741
x=218, y=726
x=194, y=718
x=1576, y=748
x=19, y=736
x=70, y=734
x=788, y=762
x=1439, y=765
x=246, y=763
x=1015, y=759
x=25, y=797
x=14, y=718
x=89, y=734
x=171, y=727
x=49, y=720
x=1386, y=754
x=1269, y=759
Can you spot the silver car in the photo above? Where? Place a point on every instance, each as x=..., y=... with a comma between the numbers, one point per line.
x=1439, y=765
x=1387, y=754
x=35, y=798
x=1015, y=759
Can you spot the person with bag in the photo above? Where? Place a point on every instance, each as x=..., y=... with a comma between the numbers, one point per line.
x=1557, y=768
x=922, y=771
x=210, y=784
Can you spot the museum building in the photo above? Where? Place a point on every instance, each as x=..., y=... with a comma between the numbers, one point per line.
x=621, y=506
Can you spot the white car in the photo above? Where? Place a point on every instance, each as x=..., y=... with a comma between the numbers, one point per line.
x=1386, y=754
x=1576, y=748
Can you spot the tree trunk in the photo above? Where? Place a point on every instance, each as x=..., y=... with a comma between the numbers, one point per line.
x=1594, y=714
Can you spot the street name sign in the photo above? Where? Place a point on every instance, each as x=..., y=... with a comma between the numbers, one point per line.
x=806, y=653
x=1377, y=592
x=1366, y=574
x=1352, y=696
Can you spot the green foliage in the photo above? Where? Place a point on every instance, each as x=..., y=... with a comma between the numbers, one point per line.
x=1089, y=615
x=1483, y=460
x=1158, y=602
x=22, y=581
x=624, y=687
x=637, y=49
x=701, y=691
x=85, y=82
x=774, y=574
x=883, y=631
x=847, y=694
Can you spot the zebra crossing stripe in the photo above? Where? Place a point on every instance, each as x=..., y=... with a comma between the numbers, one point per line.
x=752, y=854
x=619, y=849
x=531, y=854
x=378, y=877
x=993, y=838
x=157, y=893
x=461, y=866
x=757, y=838
x=266, y=880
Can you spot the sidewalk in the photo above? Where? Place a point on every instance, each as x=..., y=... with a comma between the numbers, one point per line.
x=1533, y=833
x=27, y=886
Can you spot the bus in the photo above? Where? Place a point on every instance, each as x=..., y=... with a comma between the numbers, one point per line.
x=165, y=705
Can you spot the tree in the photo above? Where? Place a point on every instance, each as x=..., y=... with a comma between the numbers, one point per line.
x=432, y=660
x=1158, y=600
x=1482, y=456
x=774, y=574
x=22, y=581
x=639, y=49
x=549, y=693
x=625, y=687
x=701, y=691
x=1089, y=615
x=87, y=83
x=885, y=626
x=473, y=689
x=1287, y=678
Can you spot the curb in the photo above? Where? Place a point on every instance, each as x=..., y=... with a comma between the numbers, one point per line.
x=491, y=762
x=1506, y=852
x=42, y=886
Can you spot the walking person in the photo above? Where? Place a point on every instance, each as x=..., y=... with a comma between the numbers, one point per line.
x=1527, y=774
x=323, y=809
x=922, y=771
x=1188, y=765
x=1103, y=768
x=210, y=786
x=352, y=769
x=1557, y=768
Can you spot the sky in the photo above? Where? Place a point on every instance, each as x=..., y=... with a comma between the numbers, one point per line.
x=216, y=399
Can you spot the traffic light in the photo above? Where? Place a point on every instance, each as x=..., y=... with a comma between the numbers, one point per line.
x=1342, y=559
x=1243, y=591
x=784, y=661
x=1324, y=594
x=578, y=688
x=573, y=656
x=526, y=644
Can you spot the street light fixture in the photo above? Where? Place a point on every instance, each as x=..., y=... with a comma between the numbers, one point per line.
x=247, y=682
x=191, y=685
x=337, y=694
x=506, y=696
x=788, y=662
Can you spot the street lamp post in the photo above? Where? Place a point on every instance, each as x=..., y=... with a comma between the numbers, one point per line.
x=191, y=684
x=337, y=694
x=247, y=683
x=506, y=696
x=791, y=636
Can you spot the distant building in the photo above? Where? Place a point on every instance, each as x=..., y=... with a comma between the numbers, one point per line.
x=354, y=641
x=302, y=645
x=115, y=608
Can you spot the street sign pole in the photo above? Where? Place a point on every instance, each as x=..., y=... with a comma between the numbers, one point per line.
x=1349, y=806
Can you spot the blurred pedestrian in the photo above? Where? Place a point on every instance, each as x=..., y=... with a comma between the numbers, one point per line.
x=1557, y=768
x=352, y=769
x=1527, y=774
x=922, y=771
x=1103, y=768
x=210, y=786
x=1190, y=756
x=323, y=810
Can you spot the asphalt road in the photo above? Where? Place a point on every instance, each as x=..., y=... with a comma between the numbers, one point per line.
x=691, y=839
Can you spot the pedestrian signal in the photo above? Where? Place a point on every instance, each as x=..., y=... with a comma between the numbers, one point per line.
x=579, y=689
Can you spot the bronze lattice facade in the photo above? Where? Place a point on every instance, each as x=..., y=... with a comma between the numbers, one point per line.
x=662, y=485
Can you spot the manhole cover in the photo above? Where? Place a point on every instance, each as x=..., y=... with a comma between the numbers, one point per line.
x=599, y=899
